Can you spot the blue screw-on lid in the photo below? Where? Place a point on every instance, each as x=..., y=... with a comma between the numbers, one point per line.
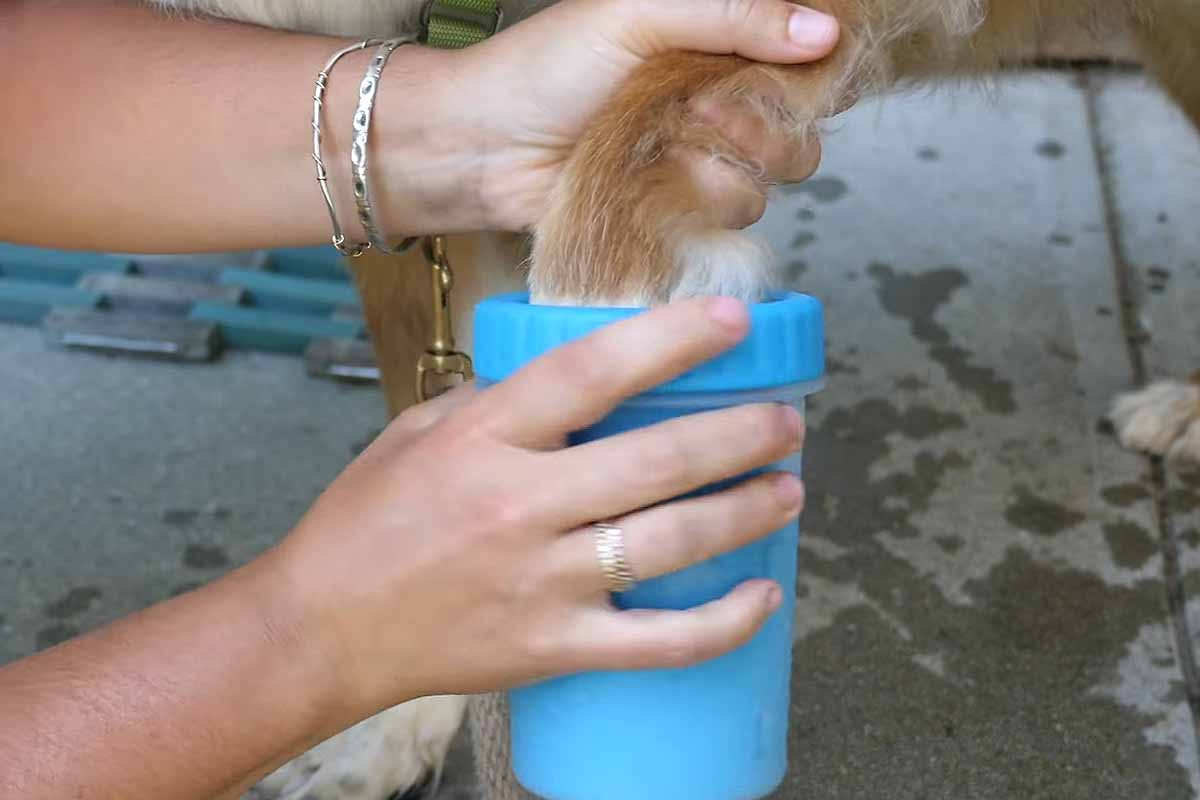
x=785, y=346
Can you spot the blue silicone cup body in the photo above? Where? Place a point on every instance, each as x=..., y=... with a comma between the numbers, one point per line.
x=715, y=731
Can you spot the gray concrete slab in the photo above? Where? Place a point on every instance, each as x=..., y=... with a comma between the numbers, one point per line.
x=1153, y=157
x=978, y=617
x=125, y=481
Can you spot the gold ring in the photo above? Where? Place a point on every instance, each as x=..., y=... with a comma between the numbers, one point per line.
x=610, y=550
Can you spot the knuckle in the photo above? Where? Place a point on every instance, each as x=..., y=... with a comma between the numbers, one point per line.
x=543, y=647
x=771, y=428
x=502, y=511
x=740, y=11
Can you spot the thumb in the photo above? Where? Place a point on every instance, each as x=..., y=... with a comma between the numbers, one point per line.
x=772, y=31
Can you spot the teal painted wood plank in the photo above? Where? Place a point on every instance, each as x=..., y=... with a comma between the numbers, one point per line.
x=318, y=263
x=62, y=267
x=260, y=329
x=274, y=292
x=26, y=303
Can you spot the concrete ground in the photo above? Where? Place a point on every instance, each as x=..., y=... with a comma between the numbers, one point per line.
x=997, y=602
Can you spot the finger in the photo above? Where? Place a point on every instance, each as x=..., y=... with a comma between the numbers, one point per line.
x=423, y=416
x=670, y=537
x=628, y=472
x=737, y=199
x=772, y=31
x=643, y=639
x=577, y=384
x=783, y=159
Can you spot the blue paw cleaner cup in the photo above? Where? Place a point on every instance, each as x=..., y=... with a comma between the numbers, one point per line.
x=716, y=731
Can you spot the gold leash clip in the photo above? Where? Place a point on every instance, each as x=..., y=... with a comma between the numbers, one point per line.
x=440, y=360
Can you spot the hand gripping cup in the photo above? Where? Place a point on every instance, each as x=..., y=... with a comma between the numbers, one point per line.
x=715, y=731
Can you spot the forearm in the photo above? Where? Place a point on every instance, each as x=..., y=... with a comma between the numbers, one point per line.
x=129, y=130
x=183, y=700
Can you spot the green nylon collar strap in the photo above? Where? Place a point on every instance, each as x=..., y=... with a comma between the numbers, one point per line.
x=454, y=24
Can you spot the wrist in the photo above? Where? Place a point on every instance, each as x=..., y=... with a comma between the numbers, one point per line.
x=427, y=156
x=311, y=660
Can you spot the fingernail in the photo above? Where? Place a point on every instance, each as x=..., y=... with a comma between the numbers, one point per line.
x=809, y=28
x=789, y=491
x=774, y=599
x=728, y=312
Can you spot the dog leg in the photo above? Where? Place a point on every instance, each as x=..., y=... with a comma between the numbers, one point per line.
x=390, y=754
x=636, y=218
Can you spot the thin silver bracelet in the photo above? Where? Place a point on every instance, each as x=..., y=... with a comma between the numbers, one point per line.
x=358, y=150
x=339, y=238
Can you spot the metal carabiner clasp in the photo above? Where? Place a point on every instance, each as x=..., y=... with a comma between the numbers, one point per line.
x=440, y=359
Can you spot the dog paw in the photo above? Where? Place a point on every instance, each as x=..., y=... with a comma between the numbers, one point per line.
x=392, y=754
x=1163, y=419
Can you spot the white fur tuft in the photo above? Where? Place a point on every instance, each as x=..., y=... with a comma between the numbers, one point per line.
x=722, y=262
x=389, y=753
x=1161, y=419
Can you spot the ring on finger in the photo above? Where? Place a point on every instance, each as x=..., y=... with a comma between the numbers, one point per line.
x=609, y=541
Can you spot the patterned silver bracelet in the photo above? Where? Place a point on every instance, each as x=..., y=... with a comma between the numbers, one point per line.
x=339, y=238
x=358, y=150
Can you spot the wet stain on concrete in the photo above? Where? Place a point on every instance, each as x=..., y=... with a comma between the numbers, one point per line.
x=835, y=366
x=823, y=190
x=1026, y=656
x=929, y=154
x=180, y=517
x=202, y=556
x=803, y=239
x=1022, y=661
x=1064, y=351
x=794, y=270
x=55, y=634
x=1157, y=279
x=854, y=437
x=1035, y=514
x=951, y=544
x=916, y=297
x=73, y=603
x=1131, y=545
x=911, y=383
x=1123, y=495
x=1051, y=148
x=1183, y=500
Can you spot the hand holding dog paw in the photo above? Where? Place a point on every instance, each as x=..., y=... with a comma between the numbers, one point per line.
x=455, y=555
x=528, y=94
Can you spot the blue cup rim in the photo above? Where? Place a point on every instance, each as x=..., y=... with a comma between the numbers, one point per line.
x=785, y=345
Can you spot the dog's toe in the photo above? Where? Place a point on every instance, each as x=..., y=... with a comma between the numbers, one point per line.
x=1163, y=419
x=1187, y=446
x=396, y=753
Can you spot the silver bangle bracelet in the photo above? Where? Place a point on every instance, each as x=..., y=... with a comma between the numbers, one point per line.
x=358, y=150
x=338, y=238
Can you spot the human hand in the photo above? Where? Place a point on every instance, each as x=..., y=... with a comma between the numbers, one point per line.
x=510, y=109
x=454, y=556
